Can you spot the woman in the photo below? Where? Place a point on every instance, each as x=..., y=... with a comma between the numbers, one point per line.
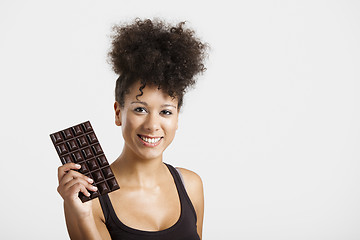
x=156, y=63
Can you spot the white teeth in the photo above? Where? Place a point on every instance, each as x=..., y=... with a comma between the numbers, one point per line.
x=150, y=140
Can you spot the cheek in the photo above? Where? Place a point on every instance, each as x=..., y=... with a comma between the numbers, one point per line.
x=171, y=127
x=129, y=125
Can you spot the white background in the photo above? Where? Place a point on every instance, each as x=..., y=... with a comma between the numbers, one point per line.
x=272, y=127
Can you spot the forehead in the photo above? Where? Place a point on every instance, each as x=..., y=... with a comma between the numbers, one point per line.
x=150, y=94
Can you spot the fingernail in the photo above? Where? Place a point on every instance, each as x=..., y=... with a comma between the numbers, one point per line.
x=88, y=194
x=94, y=188
x=90, y=180
x=77, y=165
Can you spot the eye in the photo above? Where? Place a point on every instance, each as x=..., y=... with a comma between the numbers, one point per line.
x=166, y=112
x=140, y=110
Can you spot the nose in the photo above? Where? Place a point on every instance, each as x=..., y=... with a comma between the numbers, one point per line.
x=152, y=122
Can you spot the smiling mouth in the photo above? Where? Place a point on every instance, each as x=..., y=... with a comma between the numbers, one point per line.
x=150, y=140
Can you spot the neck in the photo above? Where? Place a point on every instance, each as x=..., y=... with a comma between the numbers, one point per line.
x=136, y=170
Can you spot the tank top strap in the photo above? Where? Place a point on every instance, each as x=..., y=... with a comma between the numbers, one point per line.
x=184, y=197
x=182, y=179
x=106, y=205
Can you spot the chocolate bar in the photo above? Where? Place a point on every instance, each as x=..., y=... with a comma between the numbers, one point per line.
x=79, y=144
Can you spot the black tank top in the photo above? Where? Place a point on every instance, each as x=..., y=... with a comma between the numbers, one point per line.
x=184, y=229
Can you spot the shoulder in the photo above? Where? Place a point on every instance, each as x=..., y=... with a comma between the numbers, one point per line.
x=194, y=187
x=191, y=179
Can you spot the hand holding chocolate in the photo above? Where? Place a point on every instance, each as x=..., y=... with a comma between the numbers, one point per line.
x=79, y=144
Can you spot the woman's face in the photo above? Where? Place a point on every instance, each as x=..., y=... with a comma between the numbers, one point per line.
x=149, y=123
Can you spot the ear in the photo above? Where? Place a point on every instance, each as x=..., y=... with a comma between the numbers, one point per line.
x=117, y=113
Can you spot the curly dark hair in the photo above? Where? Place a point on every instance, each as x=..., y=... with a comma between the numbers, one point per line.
x=156, y=53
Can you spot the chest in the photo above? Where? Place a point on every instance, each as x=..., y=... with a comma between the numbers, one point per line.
x=148, y=209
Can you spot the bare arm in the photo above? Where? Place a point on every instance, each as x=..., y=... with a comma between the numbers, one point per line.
x=79, y=216
x=81, y=228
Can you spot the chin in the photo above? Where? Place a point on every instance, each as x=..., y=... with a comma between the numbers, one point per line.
x=149, y=155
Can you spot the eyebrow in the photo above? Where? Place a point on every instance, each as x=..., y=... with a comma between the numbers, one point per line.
x=164, y=105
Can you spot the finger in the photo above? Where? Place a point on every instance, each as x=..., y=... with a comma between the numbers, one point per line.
x=62, y=170
x=83, y=187
x=73, y=187
x=70, y=175
x=81, y=181
x=74, y=190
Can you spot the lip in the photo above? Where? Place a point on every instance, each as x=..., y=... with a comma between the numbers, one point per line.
x=149, y=144
x=149, y=136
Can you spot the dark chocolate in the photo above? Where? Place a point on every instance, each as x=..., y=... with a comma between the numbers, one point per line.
x=79, y=144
